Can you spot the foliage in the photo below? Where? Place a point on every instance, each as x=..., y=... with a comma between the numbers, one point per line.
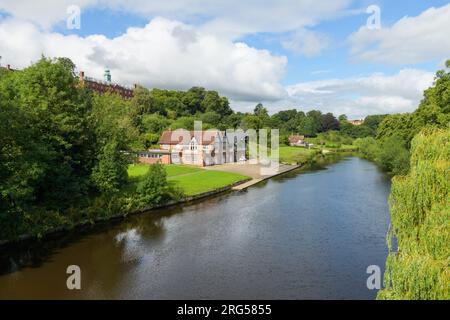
x=393, y=155
x=433, y=110
x=367, y=147
x=110, y=173
x=329, y=122
x=47, y=147
x=395, y=132
x=420, y=219
x=296, y=155
x=153, y=188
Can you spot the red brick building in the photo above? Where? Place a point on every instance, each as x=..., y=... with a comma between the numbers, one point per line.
x=297, y=140
x=154, y=156
x=106, y=85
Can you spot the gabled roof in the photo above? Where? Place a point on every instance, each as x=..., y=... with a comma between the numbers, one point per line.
x=296, y=138
x=176, y=137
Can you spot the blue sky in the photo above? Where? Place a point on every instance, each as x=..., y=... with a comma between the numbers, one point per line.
x=304, y=54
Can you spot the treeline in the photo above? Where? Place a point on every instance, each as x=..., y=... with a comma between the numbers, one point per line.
x=390, y=148
x=158, y=110
x=417, y=267
x=416, y=146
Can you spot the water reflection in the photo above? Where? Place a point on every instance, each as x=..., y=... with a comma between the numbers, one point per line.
x=307, y=234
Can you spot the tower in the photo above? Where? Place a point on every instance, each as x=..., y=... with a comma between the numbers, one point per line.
x=107, y=75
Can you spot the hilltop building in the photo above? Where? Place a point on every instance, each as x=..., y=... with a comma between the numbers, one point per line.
x=106, y=85
x=356, y=122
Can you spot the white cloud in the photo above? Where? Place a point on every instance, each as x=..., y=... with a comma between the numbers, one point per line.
x=409, y=40
x=164, y=54
x=358, y=97
x=45, y=13
x=307, y=43
x=230, y=18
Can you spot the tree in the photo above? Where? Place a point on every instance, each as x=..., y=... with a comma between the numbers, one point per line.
x=342, y=118
x=112, y=120
x=211, y=118
x=260, y=111
x=250, y=121
x=110, y=173
x=393, y=155
x=193, y=98
x=373, y=121
x=308, y=126
x=49, y=101
x=417, y=266
x=399, y=125
x=329, y=122
x=368, y=147
x=212, y=102
x=154, y=187
x=233, y=120
x=186, y=123
x=144, y=103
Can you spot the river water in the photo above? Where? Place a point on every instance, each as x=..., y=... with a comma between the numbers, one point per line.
x=304, y=235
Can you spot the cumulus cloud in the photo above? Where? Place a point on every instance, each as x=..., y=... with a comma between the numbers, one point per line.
x=230, y=18
x=307, y=43
x=45, y=13
x=409, y=40
x=164, y=54
x=360, y=96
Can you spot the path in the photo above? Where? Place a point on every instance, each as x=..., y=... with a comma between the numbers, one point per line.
x=251, y=170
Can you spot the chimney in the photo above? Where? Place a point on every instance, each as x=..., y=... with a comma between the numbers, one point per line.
x=81, y=75
x=8, y=67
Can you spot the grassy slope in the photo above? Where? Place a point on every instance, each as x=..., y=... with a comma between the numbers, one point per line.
x=294, y=154
x=192, y=180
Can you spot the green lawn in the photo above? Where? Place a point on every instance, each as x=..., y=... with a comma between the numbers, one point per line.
x=138, y=170
x=295, y=154
x=205, y=180
x=192, y=180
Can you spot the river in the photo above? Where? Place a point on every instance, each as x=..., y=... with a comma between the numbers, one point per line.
x=304, y=235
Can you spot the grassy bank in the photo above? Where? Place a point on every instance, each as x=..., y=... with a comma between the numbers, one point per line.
x=297, y=155
x=191, y=180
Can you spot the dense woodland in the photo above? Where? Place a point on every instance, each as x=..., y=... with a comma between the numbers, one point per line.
x=64, y=153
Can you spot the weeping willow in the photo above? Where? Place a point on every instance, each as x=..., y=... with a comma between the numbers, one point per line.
x=418, y=268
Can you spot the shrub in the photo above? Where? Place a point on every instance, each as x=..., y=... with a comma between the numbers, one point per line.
x=154, y=188
x=393, y=155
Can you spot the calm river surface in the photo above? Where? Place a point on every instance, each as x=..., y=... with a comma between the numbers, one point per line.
x=304, y=235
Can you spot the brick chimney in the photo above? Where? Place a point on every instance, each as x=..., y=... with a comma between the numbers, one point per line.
x=81, y=75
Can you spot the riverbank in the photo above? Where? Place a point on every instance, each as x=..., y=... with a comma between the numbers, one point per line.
x=209, y=181
x=241, y=176
x=255, y=171
x=295, y=236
